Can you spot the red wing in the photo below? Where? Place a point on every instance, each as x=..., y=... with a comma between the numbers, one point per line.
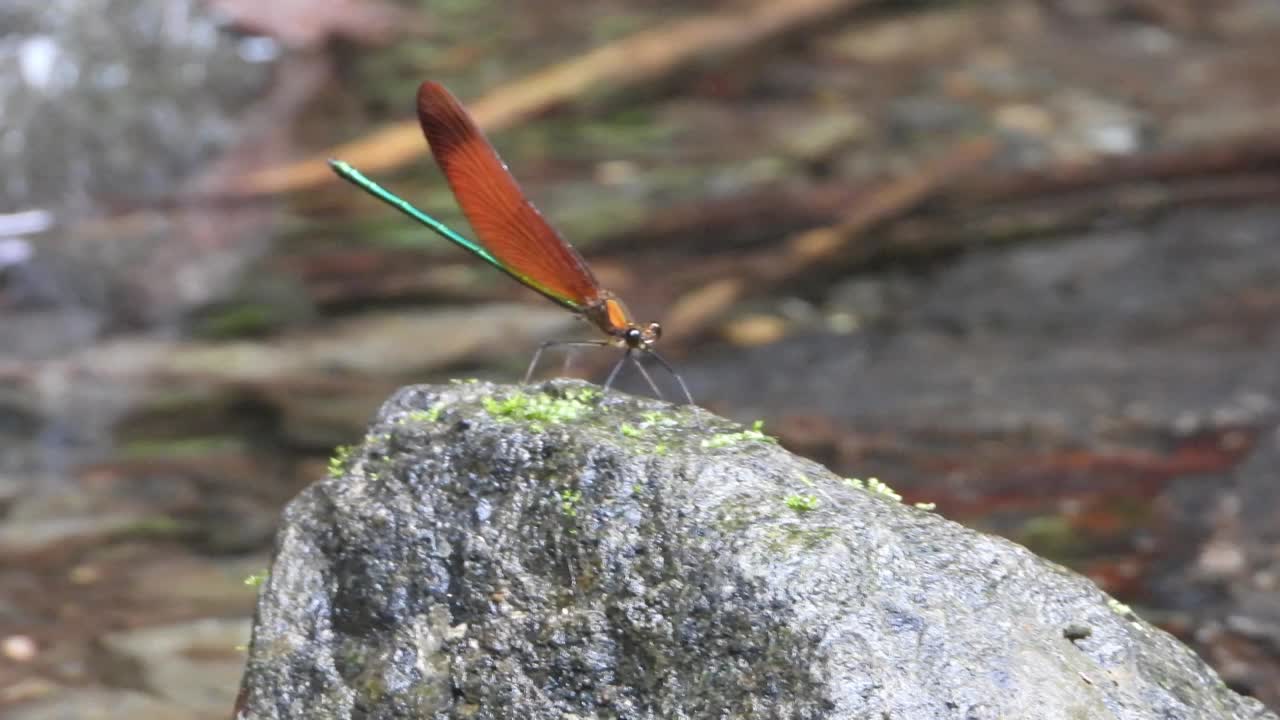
x=507, y=224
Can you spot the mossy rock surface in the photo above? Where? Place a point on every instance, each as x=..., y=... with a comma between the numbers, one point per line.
x=551, y=552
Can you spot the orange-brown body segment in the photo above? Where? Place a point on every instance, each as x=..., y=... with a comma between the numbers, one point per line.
x=610, y=315
x=617, y=315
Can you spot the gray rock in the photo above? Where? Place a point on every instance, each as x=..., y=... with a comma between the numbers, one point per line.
x=490, y=554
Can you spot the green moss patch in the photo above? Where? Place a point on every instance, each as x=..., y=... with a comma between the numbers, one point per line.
x=755, y=434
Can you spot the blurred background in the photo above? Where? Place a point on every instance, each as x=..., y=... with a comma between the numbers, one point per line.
x=1018, y=258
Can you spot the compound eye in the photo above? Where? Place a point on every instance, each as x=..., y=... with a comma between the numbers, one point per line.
x=633, y=336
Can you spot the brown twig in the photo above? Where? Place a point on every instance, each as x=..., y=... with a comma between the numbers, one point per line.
x=984, y=210
x=1248, y=153
x=985, y=225
x=1066, y=198
x=645, y=57
x=756, y=215
x=766, y=269
x=1010, y=204
x=988, y=210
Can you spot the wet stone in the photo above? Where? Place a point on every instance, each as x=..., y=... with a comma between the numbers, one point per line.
x=195, y=665
x=918, y=115
x=215, y=586
x=101, y=704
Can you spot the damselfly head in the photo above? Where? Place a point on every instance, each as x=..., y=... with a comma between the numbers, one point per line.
x=638, y=337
